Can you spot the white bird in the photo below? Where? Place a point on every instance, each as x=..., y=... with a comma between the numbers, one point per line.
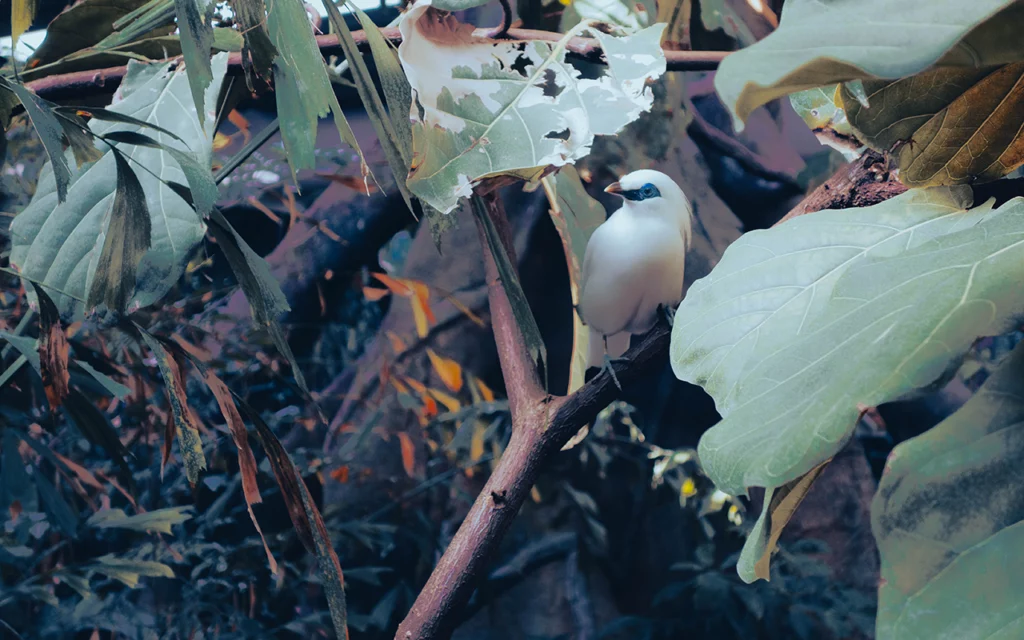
x=633, y=265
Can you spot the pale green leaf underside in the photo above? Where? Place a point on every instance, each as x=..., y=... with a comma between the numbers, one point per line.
x=799, y=325
x=950, y=526
x=59, y=245
x=820, y=43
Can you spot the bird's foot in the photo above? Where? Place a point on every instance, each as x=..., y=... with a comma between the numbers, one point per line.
x=610, y=370
x=668, y=312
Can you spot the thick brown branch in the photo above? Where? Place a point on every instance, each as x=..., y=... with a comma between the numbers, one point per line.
x=77, y=85
x=541, y=427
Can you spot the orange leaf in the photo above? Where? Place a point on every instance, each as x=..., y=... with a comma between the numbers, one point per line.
x=450, y=403
x=423, y=295
x=83, y=474
x=416, y=384
x=419, y=316
x=408, y=453
x=476, y=443
x=397, y=344
x=246, y=460
x=239, y=121
x=397, y=285
x=373, y=294
x=449, y=371
x=484, y=390
x=220, y=141
x=352, y=182
x=341, y=474
x=195, y=351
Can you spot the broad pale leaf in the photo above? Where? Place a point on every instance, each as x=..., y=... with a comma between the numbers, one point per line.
x=821, y=43
x=485, y=109
x=892, y=324
x=822, y=109
x=949, y=521
x=950, y=125
x=772, y=285
x=59, y=245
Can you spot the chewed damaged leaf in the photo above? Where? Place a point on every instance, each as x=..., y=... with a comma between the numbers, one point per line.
x=483, y=108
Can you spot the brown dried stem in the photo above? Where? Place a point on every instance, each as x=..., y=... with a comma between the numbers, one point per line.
x=76, y=85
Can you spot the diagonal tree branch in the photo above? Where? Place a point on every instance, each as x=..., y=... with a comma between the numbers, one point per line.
x=542, y=424
x=76, y=85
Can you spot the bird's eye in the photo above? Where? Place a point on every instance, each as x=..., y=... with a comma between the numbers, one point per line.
x=649, y=191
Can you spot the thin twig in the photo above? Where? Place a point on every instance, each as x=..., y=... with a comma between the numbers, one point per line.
x=76, y=85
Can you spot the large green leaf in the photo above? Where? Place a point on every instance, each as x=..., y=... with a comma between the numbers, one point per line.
x=801, y=326
x=950, y=523
x=488, y=108
x=950, y=125
x=820, y=43
x=302, y=86
x=59, y=245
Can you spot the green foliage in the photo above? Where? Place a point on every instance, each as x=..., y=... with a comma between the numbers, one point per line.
x=935, y=120
x=195, y=20
x=875, y=303
x=818, y=44
x=52, y=241
x=948, y=522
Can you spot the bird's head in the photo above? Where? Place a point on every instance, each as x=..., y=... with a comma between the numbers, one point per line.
x=654, y=193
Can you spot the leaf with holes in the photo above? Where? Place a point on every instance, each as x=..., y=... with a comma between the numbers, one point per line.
x=821, y=43
x=59, y=244
x=484, y=108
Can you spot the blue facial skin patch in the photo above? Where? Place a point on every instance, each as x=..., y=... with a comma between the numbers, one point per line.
x=645, y=192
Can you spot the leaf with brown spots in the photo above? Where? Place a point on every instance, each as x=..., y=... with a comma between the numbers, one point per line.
x=128, y=238
x=186, y=425
x=949, y=125
x=53, y=350
x=309, y=524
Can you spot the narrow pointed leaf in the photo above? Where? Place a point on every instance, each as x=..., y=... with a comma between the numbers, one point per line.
x=61, y=514
x=155, y=521
x=53, y=350
x=262, y=291
x=109, y=115
x=95, y=427
x=258, y=52
x=382, y=123
x=128, y=237
x=185, y=423
x=309, y=524
x=50, y=132
x=302, y=87
x=203, y=190
x=195, y=22
x=513, y=289
x=23, y=12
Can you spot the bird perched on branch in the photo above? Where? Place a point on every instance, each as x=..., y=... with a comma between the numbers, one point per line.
x=633, y=265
